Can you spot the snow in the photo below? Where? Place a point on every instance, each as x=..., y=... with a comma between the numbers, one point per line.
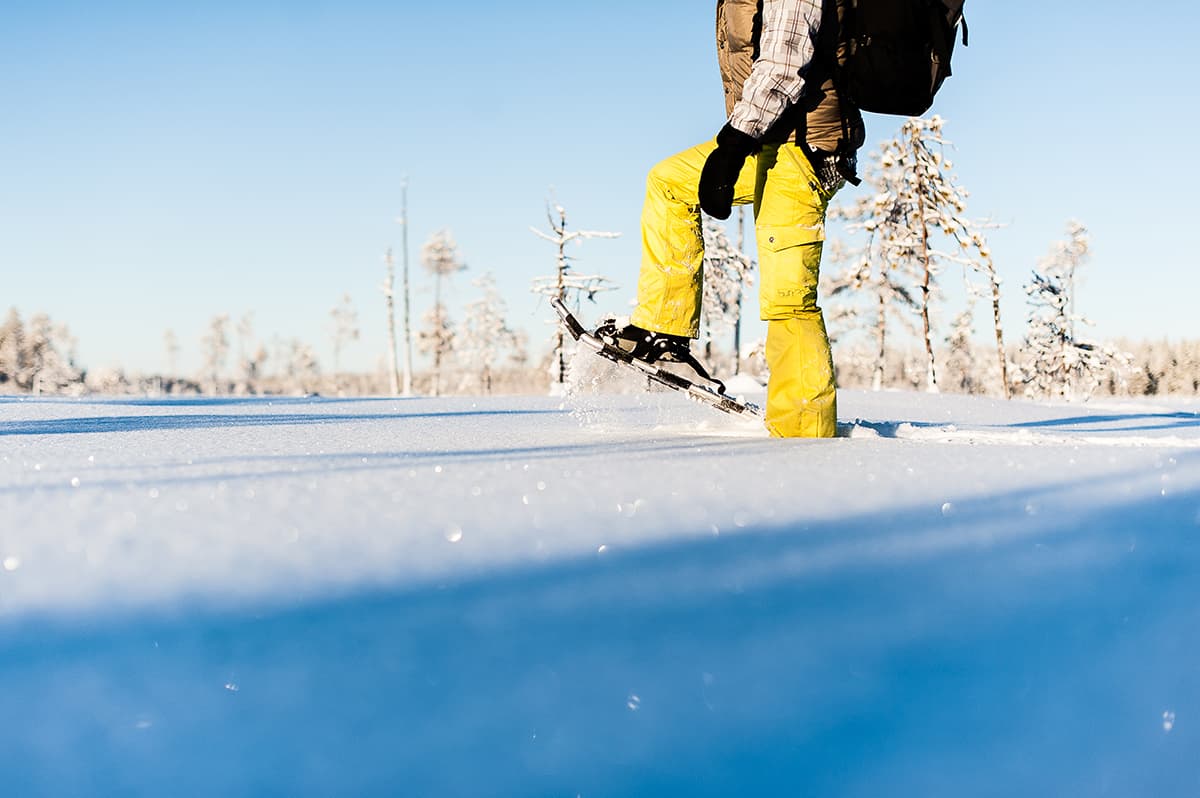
x=602, y=595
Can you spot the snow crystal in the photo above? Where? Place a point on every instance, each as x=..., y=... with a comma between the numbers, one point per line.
x=454, y=534
x=74, y=482
x=634, y=703
x=12, y=563
x=947, y=509
x=1168, y=720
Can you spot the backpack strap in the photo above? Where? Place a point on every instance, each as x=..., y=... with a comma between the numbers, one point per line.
x=844, y=155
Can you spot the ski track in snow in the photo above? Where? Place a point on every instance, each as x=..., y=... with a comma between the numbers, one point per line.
x=600, y=594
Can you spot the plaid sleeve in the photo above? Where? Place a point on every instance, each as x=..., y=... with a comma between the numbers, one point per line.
x=789, y=32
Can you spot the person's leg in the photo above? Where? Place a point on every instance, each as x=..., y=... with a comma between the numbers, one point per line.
x=671, y=278
x=790, y=229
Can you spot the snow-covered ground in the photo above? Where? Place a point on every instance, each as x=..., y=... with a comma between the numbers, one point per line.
x=619, y=595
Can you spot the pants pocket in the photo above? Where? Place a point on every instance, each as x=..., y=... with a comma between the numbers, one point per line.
x=790, y=267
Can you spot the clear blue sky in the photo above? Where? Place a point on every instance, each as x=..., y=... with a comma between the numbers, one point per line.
x=161, y=163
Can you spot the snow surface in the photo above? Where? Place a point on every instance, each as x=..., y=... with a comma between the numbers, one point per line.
x=619, y=595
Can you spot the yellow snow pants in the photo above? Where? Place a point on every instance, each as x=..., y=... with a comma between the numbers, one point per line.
x=789, y=213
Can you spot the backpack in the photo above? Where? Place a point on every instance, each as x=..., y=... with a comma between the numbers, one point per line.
x=897, y=52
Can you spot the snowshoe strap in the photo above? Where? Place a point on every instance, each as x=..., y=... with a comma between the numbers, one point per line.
x=690, y=360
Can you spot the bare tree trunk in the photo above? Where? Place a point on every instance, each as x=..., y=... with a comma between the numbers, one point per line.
x=437, y=341
x=390, y=293
x=406, y=388
x=926, y=294
x=560, y=343
x=881, y=340
x=999, y=331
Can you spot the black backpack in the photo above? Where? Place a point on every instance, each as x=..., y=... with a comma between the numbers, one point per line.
x=897, y=52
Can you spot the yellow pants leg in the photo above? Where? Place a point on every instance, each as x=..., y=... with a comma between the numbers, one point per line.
x=671, y=278
x=790, y=231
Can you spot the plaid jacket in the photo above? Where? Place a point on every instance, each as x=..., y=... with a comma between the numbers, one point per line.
x=767, y=50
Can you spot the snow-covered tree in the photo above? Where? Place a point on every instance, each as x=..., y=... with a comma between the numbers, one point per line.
x=12, y=349
x=389, y=294
x=49, y=356
x=1059, y=363
x=343, y=329
x=214, y=349
x=302, y=371
x=403, y=384
x=915, y=222
x=565, y=283
x=38, y=356
x=961, y=372
x=441, y=259
x=171, y=343
x=885, y=285
x=727, y=273
x=252, y=356
x=486, y=336
x=437, y=338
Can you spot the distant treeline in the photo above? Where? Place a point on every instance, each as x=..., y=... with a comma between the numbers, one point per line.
x=37, y=357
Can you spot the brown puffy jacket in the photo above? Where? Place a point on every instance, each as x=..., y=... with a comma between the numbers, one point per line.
x=818, y=114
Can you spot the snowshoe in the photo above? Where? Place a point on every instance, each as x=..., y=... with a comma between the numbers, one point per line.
x=633, y=347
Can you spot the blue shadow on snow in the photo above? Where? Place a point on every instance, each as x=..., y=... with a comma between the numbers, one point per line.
x=893, y=654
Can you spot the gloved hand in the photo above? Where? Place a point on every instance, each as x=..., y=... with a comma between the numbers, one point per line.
x=721, y=171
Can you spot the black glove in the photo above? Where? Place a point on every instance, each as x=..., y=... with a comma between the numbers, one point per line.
x=721, y=171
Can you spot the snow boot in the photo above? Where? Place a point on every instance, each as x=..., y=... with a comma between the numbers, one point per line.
x=654, y=347
x=645, y=345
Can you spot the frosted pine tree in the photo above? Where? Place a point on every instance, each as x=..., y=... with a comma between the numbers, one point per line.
x=440, y=258
x=343, y=330
x=49, y=356
x=1059, y=363
x=727, y=273
x=486, y=337
x=566, y=284
x=214, y=348
x=252, y=356
x=437, y=338
x=12, y=350
x=916, y=224
x=885, y=288
x=301, y=370
x=171, y=343
x=960, y=356
x=389, y=295
x=1183, y=378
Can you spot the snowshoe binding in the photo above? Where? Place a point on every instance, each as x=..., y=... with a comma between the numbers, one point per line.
x=644, y=344
x=640, y=349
